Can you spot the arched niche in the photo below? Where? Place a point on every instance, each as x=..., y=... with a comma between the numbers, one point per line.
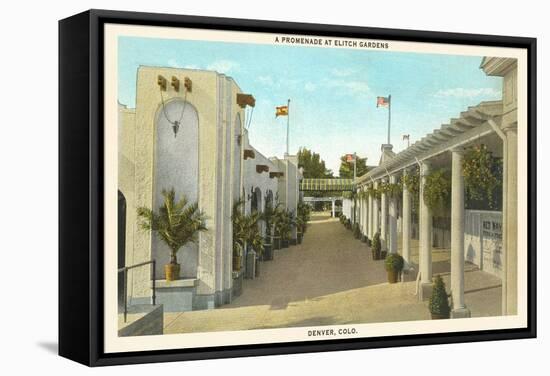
x=176, y=165
x=258, y=195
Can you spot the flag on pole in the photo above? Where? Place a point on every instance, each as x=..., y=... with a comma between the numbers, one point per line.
x=281, y=111
x=350, y=158
x=382, y=101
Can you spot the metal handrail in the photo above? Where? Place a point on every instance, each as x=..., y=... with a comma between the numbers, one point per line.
x=125, y=271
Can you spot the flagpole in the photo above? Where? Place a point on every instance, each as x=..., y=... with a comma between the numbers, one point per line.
x=354, y=166
x=287, y=124
x=389, y=117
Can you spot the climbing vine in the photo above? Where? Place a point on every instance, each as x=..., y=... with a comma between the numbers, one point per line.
x=348, y=195
x=390, y=189
x=411, y=181
x=482, y=175
x=437, y=191
x=375, y=193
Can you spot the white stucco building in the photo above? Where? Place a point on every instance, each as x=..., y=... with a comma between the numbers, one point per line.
x=187, y=133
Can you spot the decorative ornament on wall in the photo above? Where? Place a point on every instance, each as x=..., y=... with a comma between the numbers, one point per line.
x=175, y=83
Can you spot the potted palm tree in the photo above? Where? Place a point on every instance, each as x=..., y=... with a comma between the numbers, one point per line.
x=268, y=216
x=176, y=223
x=288, y=223
x=253, y=237
x=439, y=301
x=394, y=264
x=241, y=225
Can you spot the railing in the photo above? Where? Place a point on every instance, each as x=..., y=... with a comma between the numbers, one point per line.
x=125, y=284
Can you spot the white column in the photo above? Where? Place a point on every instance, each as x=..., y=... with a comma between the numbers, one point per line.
x=392, y=220
x=457, y=236
x=406, y=228
x=370, y=217
x=365, y=214
x=425, y=241
x=375, y=217
x=384, y=221
x=333, y=210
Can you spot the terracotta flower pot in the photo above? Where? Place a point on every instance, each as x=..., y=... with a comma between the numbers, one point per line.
x=392, y=276
x=268, y=252
x=172, y=272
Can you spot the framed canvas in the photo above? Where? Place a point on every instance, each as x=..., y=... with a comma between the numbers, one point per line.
x=240, y=187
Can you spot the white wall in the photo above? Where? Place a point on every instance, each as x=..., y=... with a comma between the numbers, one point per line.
x=176, y=166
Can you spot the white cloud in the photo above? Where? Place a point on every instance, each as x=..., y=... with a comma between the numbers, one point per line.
x=175, y=64
x=223, y=66
x=265, y=80
x=460, y=92
x=342, y=72
x=310, y=86
x=354, y=87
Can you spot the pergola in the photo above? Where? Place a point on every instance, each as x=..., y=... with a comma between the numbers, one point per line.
x=442, y=147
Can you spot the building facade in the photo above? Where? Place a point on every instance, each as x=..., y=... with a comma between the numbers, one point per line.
x=187, y=133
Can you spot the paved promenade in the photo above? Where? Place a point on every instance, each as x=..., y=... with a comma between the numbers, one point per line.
x=329, y=279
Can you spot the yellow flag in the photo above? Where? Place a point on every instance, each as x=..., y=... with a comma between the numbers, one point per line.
x=281, y=111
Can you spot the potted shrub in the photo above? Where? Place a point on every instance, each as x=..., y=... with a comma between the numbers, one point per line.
x=376, y=246
x=268, y=216
x=176, y=224
x=284, y=224
x=255, y=239
x=356, y=231
x=364, y=239
x=268, y=248
x=394, y=265
x=237, y=257
x=439, y=301
x=348, y=224
x=302, y=218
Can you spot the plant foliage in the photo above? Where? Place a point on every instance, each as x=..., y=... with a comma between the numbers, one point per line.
x=482, y=175
x=176, y=222
x=394, y=262
x=437, y=190
x=411, y=181
x=439, y=301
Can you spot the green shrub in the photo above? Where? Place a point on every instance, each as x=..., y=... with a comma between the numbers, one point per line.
x=376, y=245
x=439, y=301
x=356, y=231
x=394, y=262
x=348, y=224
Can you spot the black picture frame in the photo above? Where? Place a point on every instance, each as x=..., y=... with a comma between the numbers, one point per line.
x=81, y=186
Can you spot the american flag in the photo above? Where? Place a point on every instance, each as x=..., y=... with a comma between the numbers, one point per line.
x=350, y=158
x=382, y=101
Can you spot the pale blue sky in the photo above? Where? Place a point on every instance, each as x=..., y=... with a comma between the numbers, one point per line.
x=333, y=91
